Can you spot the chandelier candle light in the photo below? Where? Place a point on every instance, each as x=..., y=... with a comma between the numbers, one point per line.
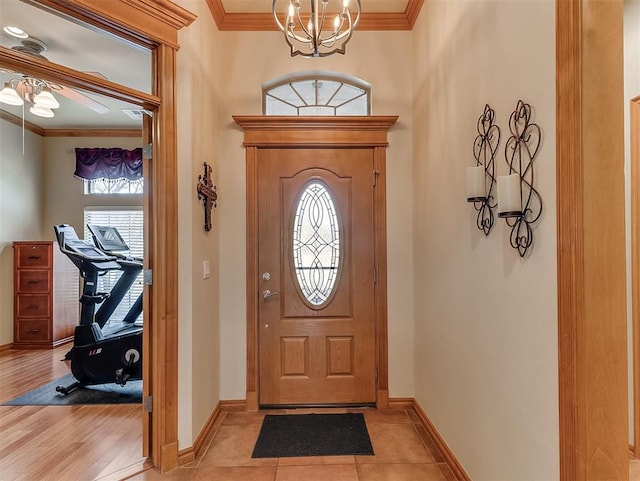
x=308, y=35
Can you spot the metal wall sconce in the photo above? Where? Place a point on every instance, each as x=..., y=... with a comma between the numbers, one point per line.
x=519, y=203
x=481, y=178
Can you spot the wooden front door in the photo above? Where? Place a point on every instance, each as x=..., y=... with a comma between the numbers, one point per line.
x=316, y=308
x=331, y=349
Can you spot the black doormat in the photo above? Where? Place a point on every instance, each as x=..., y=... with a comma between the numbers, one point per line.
x=294, y=435
x=46, y=395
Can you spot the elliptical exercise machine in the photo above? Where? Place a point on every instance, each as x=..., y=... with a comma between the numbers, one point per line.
x=96, y=358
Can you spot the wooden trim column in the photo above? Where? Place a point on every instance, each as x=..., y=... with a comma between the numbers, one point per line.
x=591, y=241
x=164, y=225
x=635, y=265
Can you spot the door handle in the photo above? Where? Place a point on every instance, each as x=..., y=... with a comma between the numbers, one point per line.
x=266, y=294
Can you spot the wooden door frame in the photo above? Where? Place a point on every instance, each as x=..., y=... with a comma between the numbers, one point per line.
x=634, y=114
x=155, y=26
x=312, y=132
x=592, y=323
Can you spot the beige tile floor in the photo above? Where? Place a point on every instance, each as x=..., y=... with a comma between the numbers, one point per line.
x=634, y=470
x=403, y=451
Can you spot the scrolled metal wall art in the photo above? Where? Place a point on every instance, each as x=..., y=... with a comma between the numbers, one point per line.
x=481, y=179
x=519, y=203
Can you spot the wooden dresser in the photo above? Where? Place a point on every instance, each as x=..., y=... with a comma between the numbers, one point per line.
x=46, y=294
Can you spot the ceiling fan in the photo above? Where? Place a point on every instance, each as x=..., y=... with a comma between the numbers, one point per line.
x=29, y=88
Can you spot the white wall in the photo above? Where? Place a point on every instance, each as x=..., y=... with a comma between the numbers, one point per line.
x=251, y=58
x=20, y=205
x=64, y=198
x=631, y=90
x=198, y=298
x=485, y=319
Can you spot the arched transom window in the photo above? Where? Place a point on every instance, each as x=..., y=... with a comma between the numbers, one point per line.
x=316, y=93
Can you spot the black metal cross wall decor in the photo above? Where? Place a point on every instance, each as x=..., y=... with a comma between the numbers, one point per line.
x=207, y=193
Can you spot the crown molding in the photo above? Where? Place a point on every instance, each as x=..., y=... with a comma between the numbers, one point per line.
x=20, y=122
x=264, y=21
x=95, y=132
x=164, y=10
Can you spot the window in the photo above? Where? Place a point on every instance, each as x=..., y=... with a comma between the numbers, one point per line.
x=316, y=243
x=130, y=223
x=117, y=186
x=316, y=93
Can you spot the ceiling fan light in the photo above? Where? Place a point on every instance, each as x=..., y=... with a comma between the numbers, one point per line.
x=41, y=111
x=46, y=99
x=8, y=95
x=15, y=32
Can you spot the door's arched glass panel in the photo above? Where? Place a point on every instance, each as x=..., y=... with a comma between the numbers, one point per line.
x=316, y=243
x=316, y=93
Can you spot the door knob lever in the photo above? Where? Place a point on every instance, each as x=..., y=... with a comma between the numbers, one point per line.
x=266, y=294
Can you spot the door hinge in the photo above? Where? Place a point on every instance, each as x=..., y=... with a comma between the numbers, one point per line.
x=147, y=404
x=375, y=177
x=147, y=151
x=376, y=373
x=147, y=277
x=375, y=275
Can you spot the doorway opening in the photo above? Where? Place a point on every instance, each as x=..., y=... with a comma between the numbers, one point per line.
x=153, y=27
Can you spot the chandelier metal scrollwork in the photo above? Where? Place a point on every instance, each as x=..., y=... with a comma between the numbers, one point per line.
x=485, y=147
x=522, y=203
x=309, y=34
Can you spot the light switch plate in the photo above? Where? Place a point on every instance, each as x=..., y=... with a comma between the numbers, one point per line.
x=205, y=270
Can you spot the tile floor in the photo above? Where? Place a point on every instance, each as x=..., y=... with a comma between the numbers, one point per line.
x=634, y=470
x=403, y=452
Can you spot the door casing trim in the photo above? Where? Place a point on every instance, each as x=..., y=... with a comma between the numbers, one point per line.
x=154, y=27
x=309, y=132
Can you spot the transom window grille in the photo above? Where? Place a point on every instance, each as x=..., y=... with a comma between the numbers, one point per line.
x=114, y=186
x=316, y=243
x=130, y=224
x=316, y=93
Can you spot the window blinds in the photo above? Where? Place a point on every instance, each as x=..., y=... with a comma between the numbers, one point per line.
x=130, y=224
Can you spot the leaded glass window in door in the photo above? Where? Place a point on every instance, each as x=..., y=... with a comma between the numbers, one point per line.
x=316, y=243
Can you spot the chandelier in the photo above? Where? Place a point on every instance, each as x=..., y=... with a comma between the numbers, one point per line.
x=308, y=35
x=33, y=91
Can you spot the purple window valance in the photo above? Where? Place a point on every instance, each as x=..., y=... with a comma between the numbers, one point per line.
x=113, y=163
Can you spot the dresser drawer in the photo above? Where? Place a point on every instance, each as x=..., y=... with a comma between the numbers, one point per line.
x=33, y=255
x=33, y=305
x=33, y=281
x=33, y=330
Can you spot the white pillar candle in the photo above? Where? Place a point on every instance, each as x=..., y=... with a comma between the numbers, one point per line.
x=509, y=203
x=476, y=185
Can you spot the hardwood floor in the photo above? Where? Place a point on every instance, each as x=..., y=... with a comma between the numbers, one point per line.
x=74, y=443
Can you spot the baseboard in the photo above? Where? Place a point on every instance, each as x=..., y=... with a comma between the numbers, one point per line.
x=5, y=347
x=447, y=454
x=401, y=403
x=632, y=451
x=234, y=405
x=187, y=455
